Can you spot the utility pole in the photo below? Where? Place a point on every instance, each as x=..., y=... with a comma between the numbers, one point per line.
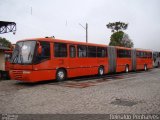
x=86, y=29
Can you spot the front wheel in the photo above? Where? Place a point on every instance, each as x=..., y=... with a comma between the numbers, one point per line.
x=61, y=75
x=101, y=71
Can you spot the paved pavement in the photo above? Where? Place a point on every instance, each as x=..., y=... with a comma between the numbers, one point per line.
x=137, y=93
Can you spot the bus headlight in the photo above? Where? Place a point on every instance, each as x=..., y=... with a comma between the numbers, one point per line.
x=26, y=72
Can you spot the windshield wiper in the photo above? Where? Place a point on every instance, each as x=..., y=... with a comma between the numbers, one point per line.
x=29, y=55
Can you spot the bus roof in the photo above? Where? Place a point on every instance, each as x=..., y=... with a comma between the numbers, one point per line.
x=63, y=41
x=50, y=39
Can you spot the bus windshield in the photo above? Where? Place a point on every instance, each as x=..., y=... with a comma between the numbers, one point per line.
x=23, y=52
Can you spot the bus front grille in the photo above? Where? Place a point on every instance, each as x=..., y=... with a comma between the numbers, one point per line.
x=17, y=74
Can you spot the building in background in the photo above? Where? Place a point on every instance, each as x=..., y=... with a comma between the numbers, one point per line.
x=2, y=60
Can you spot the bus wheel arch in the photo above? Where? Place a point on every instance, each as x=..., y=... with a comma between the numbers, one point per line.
x=126, y=68
x=61, y=74
x=101, y=70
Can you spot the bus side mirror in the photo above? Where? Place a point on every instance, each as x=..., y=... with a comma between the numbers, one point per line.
x=39, y=49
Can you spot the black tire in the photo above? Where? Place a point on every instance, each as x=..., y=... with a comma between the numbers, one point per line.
x=6, y=75
x=61, y=75
x=158, y=66
x=0, y=75
x=101, y=71
x=127, y=69
x=145, y=67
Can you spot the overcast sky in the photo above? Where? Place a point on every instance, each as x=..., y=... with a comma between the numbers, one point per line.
x=61, y=18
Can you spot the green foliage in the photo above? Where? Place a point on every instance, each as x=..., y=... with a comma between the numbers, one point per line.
x=116, y=38
x=117, y=26
x=4, y=42
x=121, y=39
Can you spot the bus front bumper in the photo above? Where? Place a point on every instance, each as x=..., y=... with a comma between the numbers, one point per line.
x=32, y=75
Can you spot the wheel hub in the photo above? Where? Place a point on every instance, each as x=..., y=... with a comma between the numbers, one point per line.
x=61, y=75
x=101, y=71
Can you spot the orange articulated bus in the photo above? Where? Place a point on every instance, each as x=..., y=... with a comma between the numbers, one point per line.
x=49, y=59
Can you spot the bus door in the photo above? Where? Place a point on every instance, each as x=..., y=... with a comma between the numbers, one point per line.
x=73, y=63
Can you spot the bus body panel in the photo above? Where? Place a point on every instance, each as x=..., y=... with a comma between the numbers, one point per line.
x=142, y=62
x=32, y=75
x=122, y=63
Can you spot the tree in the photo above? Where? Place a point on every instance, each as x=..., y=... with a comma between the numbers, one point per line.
x=5, y=43
x=116, y=38
x=119, y=38
x=117, y=26
x=126, y=41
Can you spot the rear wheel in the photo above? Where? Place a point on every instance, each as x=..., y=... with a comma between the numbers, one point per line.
x=127, y=69
x=158, y=65
x=101, y=71
x=60, y=75
x=145, y=67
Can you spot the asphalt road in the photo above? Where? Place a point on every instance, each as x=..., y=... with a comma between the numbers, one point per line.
x=132, y=93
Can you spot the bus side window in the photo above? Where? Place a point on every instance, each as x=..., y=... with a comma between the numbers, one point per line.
x=45, y=50
x=72, y=51
x=82, y=51
x=60, y=50
x=101, y=52
x=121, y=53
x=91, y=51
x=124, y=53
x=142, y=55
x=151, y=55
x=138, y=54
